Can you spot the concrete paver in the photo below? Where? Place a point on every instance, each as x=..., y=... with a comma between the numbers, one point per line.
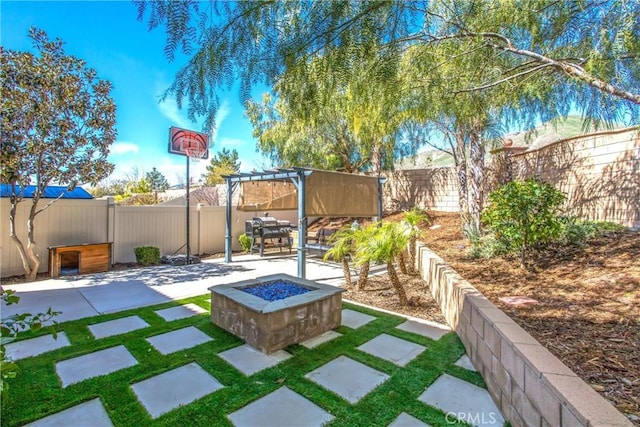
x=463, y=400
x=406, y=420
x=465, y=362
x=180, y=312
x=347, y=378
x=177, y=340
x=354, y=319
x=117, y=326
x=172, y=389
x=393, y=349
x=432, y=330
x=320, y=339
x=90, y=413
x=35, y=346
x=94, y=364
x=283, y=407
x=248, y=360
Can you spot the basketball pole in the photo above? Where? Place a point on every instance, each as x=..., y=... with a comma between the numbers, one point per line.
x=187, y=198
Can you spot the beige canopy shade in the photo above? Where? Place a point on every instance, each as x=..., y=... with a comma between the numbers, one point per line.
x=312, y=192
x=327, y=194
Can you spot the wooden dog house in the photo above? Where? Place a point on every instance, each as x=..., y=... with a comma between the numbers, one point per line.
x=87, y=258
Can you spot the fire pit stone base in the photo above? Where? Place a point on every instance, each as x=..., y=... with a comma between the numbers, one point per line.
x=272, y=325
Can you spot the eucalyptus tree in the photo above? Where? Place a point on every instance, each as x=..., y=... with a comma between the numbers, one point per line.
x=58, y=122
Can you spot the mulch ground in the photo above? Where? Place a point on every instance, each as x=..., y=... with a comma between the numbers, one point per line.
x=588, y=310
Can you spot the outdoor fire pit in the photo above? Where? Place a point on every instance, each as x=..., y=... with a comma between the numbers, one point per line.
x=272, y=312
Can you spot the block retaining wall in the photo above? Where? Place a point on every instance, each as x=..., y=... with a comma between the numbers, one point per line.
x=530, y=385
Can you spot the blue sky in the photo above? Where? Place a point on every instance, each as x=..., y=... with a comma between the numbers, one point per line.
x=108, y=36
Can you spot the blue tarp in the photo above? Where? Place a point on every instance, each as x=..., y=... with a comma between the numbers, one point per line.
x=51, y=192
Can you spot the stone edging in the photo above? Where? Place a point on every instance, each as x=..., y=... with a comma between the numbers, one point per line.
x=530, y=385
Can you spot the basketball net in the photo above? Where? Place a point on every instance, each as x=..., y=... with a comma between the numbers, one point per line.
x=195, y=154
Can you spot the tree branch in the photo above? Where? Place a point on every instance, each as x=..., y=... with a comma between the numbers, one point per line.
x=504, y=80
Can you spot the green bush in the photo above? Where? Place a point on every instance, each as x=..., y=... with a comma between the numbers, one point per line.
x=484, y=245
x=245, y=242
x=147, y=255
x=575, y=231
x=522, y=214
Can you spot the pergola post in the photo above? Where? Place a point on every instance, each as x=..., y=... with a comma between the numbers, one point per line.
x=380, y=182
x=228, y=236
x=302, y=225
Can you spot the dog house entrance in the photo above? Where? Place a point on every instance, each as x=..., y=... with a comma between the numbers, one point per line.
x=70, y=263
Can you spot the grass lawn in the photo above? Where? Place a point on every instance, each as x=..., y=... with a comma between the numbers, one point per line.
x=37, y=391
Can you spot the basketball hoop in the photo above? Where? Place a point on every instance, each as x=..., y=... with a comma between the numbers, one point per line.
x=195, y=154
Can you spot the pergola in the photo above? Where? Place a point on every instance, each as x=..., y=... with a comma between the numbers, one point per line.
x=312, y=192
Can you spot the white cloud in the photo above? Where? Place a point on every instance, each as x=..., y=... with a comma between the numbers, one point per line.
x=169, y=109
x=123, y=147
x=221, y=114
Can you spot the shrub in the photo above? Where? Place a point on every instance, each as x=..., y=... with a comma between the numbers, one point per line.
x=147, y=255
x=576, y=232
x=245, y=242
x=523, y=214
x=484, y=245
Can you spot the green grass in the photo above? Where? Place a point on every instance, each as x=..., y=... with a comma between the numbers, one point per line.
x=37, y=391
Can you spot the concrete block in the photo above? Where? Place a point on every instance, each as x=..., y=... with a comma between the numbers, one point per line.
x=117, y=326
x=503, y=378
x=528, y=412
x=432, y=330
x=392, y=349
x=584, y=402
x=94, y=364
x=541, y=396
x=249, y=360
x=177, y=340
x=35, y=346
x=90, y=413
x=280, y=408
x=348, y=378
x=513, y=363
x=492, y=338
x=172, y=389
x=542, y=360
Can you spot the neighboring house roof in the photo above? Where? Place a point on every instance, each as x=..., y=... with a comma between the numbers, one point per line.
x=208, y=196
x=51, y=192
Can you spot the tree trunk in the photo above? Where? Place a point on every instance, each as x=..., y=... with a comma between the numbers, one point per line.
x=461, y=172
x=364, y=275
x=401, y=263
x=347, y=272
x=476, y=189
x=376, y=159
x=14, y=237
x=32, y=255
x=395, y=281
x=413, y=242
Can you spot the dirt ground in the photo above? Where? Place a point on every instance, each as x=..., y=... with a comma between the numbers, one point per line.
x=588, y=310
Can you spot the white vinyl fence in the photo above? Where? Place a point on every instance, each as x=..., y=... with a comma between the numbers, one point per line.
x=73, y=222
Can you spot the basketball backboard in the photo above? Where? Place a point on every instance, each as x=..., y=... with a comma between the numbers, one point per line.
x=188, y=143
